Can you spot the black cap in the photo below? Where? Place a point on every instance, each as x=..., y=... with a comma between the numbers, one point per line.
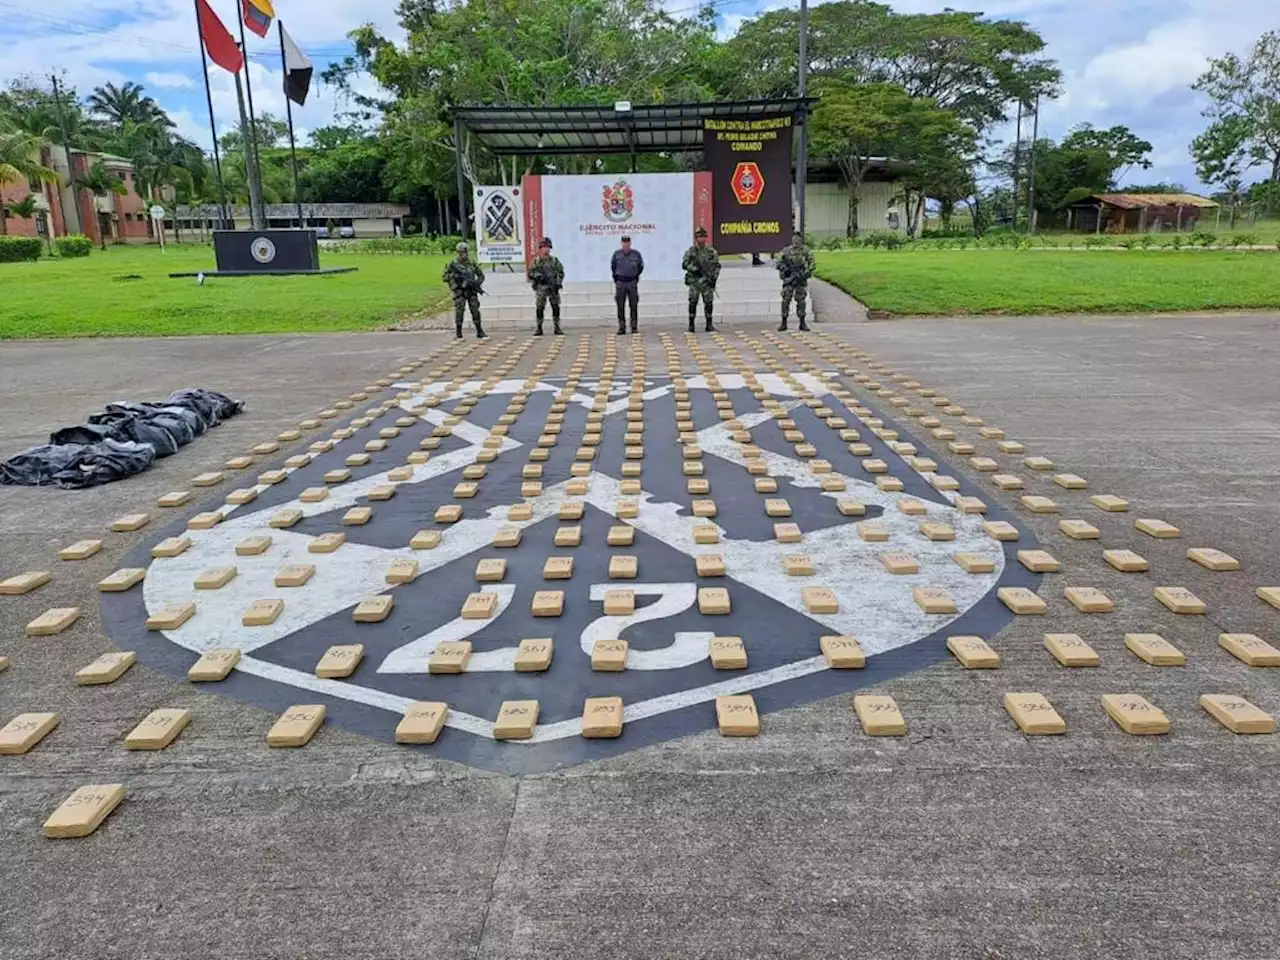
x=546, y=242
x=700, y=232
x=626, y=239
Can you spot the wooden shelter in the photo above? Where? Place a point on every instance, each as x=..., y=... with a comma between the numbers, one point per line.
x=1137, y=212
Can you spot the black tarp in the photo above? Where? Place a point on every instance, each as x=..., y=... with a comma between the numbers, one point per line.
x=122, y=440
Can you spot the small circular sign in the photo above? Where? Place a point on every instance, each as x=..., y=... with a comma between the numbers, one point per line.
x=263, y=250
x=157, y=212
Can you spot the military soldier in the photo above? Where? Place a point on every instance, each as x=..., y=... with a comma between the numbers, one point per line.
x=546, y=273
x=466, y=283
x=796, y=265
x=701, y=270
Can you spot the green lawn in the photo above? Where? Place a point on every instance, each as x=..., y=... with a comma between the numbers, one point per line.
x=934, y=282
x=126, y=291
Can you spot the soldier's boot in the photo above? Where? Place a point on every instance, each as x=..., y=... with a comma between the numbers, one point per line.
x=537, y=331
x=457, y=327
x=555, y=323
x=804, y=327
x=783, y=325
x=480, y=334
x=635, y=327
x=710, y=327
x=693, y=315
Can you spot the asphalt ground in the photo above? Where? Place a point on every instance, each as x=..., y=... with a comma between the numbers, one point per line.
x=964, y=838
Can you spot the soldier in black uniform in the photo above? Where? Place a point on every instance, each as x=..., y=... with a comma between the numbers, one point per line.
x=626, y=266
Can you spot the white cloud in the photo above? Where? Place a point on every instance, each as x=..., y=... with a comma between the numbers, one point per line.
x=168, y=81
x=1123, y=62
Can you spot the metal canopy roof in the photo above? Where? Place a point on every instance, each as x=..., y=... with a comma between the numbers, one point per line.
x=655, y=128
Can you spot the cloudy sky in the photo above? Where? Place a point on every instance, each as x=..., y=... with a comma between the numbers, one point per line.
x=1125, y=61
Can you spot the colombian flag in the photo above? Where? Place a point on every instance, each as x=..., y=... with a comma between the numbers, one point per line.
x=258, y=15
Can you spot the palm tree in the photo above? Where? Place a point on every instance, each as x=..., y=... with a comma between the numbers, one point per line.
x=19, y=163
x=101, y=182
x=127, y=104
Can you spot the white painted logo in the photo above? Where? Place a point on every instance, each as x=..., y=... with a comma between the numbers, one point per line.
x=876, y=606
x=263, y=250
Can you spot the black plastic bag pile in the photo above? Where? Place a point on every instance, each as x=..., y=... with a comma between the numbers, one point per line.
x=124, y=439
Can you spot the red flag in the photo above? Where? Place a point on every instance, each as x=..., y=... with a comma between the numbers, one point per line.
x=218, y=40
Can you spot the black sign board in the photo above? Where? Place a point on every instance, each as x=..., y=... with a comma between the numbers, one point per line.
x=266, y=251
x=750, y=164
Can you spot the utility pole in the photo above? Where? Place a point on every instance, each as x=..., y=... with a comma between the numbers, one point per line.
x=251, y=168
x=258, y=214
x=1031, y=175
x=802, y=149
x=66, y=153
x=1017, y=159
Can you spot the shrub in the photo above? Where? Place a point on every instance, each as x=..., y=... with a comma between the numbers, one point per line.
x=74, y=246
x=1244, y=239
x=954, y=233
x=1125, y=243
x=833, y=243
x=888, y=239
x=1096, y=241
x=1176, y=242
x=1145, y=241
x=14, y=249
x=1204, y=238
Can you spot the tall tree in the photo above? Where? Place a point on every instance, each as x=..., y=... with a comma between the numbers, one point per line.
x=269, y=129
x=20, y=163
x=99, y=181
x=860, y=126
x=1222, y=156
x=126, y=104
x=1245, y=95
x=962, y=61
x=541, y=52
x=1086, y=161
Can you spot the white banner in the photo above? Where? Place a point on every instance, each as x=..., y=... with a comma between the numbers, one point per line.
x=585, y=217
x=499, y=224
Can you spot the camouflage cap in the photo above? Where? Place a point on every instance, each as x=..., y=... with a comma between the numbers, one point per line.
x=461, y=248
x=700, y=232
x=545, y=242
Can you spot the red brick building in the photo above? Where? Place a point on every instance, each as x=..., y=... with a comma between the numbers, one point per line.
x=62, y=209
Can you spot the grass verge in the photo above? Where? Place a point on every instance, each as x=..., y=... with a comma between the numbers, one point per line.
x=939, y=282
x=126, y=291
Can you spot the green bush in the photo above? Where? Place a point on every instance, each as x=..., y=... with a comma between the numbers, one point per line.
x=74, y=246
x=954, y=233
x=1245, y=239
x=1096, y=241
x=14, y=249
x=1204, y=238
x=888, y=239
x=1146, y=240
x=833, y=243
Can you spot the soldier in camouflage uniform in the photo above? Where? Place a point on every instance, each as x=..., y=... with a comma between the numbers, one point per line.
x=796, y=265
x=466, y=283
x=546, y=273
x=701, y=270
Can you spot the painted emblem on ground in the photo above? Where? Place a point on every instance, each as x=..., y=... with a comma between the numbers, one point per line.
x=669, y=684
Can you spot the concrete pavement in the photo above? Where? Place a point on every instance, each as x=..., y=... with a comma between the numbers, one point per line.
x=963, y=839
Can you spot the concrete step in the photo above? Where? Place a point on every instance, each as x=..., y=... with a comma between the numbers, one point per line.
x=677, y=311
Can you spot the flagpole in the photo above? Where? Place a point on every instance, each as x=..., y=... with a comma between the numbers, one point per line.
x=213, y=127
x=293, y=146
x=251, y=142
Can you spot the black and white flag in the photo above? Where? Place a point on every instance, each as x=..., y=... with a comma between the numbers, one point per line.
x=297, y=69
